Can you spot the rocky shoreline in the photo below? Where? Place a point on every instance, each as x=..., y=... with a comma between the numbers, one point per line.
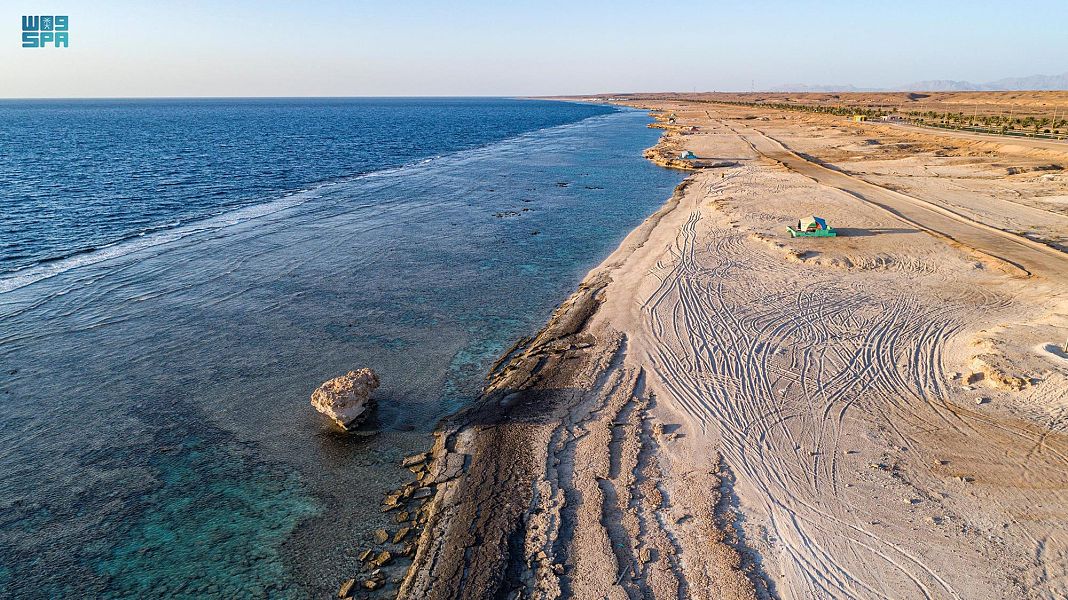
x=495, y=504
x=489, y=515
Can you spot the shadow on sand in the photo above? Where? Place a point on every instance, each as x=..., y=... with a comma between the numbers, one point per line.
x=857, y=232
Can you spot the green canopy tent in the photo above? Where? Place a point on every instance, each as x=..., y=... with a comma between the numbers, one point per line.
x=812, y=227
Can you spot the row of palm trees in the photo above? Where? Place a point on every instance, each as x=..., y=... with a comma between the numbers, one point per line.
x=997, y=121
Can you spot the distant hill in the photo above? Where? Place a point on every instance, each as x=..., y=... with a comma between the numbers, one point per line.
x=943, y=85
x=818, y=89
x=1033, y=82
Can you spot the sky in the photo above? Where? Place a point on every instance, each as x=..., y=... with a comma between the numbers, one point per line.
x=503, y=48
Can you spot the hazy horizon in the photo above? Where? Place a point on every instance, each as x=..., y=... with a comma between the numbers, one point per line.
x=247, y=50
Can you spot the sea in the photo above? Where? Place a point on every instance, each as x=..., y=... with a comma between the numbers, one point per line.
x=178, y=276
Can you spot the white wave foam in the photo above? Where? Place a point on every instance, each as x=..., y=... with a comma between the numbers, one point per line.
x=36, y=273
x=158, y=237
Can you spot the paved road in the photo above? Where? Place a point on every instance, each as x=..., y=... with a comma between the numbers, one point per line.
x=1034, y=257
x=1042, y=144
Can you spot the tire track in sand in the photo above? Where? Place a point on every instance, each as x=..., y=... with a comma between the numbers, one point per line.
x=777, y=373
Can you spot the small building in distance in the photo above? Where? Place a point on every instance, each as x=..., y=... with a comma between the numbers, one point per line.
x=688, y=155
x=893, y=118
x=859, y=118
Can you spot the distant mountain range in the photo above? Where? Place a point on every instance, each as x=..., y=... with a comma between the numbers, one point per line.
x=1034, y=82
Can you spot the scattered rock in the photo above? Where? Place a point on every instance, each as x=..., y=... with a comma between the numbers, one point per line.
x=381, y=536
x=346, y=588
x=383, y=558
x=402, y=516
x=372, y=584
x=366, y=555
x=646, y=555
x=982, y=400
x=401, y=534
x=658, y=429
x=423, y=492
x=393, y=501
x=346, y=399
x=414, y=460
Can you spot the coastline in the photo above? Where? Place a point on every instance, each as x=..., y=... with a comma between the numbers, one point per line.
x=494, y=524
x=278, y=291
x=633, y=447
x=487, y=464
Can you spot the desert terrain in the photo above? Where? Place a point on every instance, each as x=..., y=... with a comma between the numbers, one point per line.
x=1017, y=103
x=722, y=411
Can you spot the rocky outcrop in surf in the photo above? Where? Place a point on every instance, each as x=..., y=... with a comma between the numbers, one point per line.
x=345, y=399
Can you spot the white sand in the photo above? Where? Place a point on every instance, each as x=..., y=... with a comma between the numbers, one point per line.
x=825, y=372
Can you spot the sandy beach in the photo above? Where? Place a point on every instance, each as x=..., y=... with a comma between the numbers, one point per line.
x=721, y=411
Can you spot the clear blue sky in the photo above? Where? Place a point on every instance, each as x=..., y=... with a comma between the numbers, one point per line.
x=368, y=48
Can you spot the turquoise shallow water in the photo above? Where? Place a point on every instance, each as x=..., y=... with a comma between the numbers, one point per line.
x=156, y=434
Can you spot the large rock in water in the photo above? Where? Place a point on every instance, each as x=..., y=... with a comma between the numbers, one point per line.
x=346, y=399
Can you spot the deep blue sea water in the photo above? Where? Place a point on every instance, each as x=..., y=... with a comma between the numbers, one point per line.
x=79, y=176
x=176, y=277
